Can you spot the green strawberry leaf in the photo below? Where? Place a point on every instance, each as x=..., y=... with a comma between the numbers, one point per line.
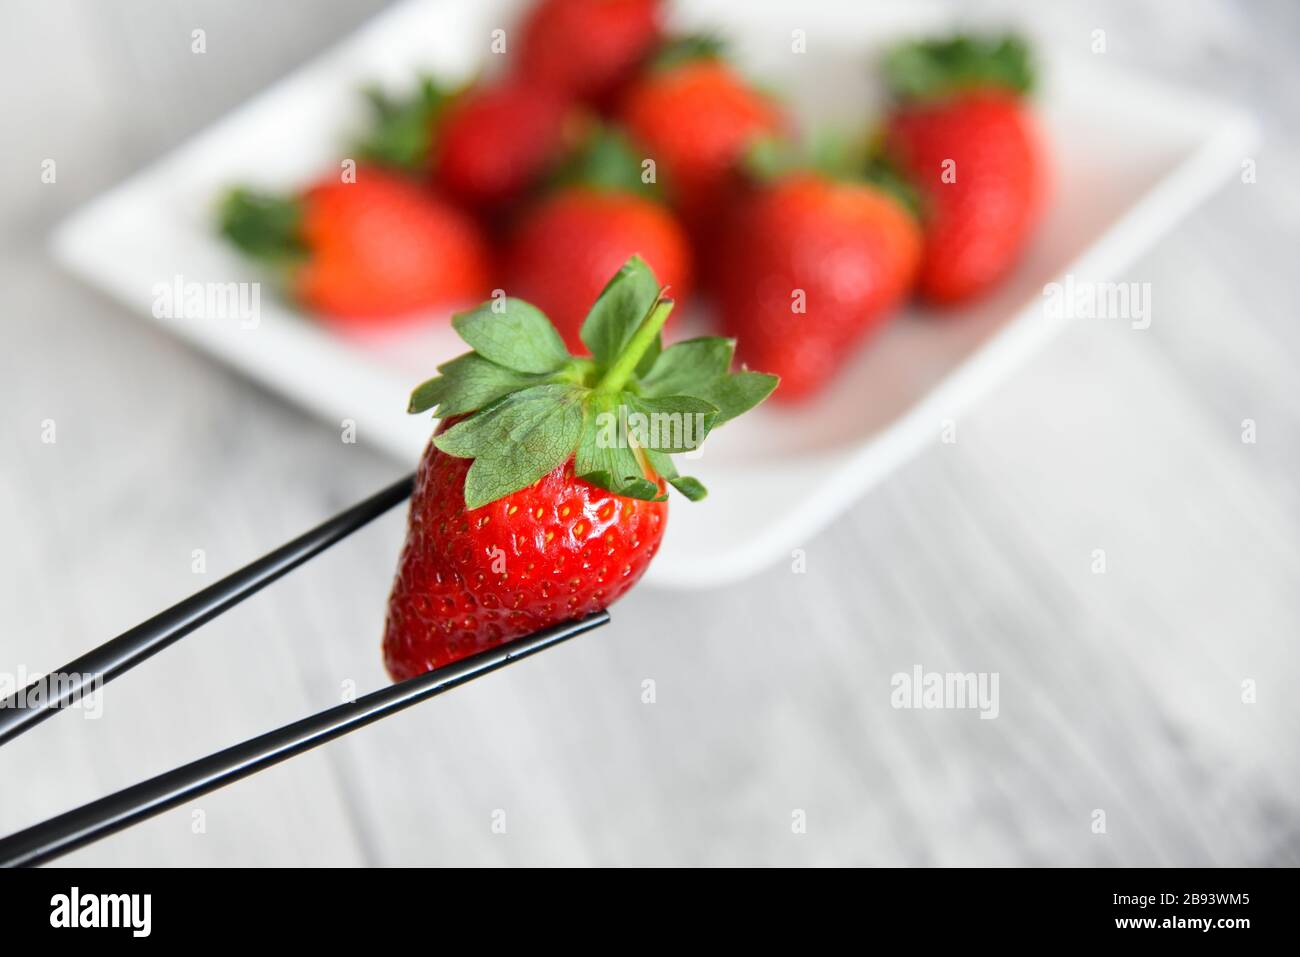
x=676, y=423
x=689, y=48
x=662, y=463
x=769, y=157
x=929, y=69
x=529, y=406
x=689, y=486
x=736, y=393
x=467, y=384
x=880, y=171
x=605, y=160
x=402, y=127
x=514, y=334
x=263, y=226
x=517, y=441
x=605, y=457
x=682, y=367
x=698, y=368
x=622, y=305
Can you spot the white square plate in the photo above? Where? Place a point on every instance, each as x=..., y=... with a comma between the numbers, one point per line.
x=1131, y=157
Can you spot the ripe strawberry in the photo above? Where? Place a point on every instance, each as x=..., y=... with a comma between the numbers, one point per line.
x=962, y=131
x=810, y=267
x=566, y=549
x=563, y=252
x=588, y=49
x=485, y=146
x=494, y=144
x=544, y=500
x=359, y=252
x=696, y=118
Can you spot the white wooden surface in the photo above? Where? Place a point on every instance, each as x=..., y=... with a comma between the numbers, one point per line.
x=1119, y=691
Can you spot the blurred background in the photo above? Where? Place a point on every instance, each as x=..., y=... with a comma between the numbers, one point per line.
x=1123, y=692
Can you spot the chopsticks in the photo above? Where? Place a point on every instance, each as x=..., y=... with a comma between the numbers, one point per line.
x=108, y=815
x=26, y=708
x=41, y=698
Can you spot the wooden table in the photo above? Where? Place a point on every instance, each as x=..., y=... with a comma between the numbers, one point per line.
x=1120, y=692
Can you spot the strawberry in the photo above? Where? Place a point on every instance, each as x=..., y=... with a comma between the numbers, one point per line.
x=963, y=133
x=588, y=49
x=577, y=548
x=696, y=118
x=485, y=146
x=362, y=251
x=810, y=267
x=544, y=500
x=564, y=250
x=497, y=142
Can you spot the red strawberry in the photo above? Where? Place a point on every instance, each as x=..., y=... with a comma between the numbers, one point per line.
x=361, y=251
x=696, y=118
x=564, y=548
x=810, y=267
x=588, y=49
x=544, y=501
x=486, y=145
x=964, y=135
x=494, y=143
x=563, y=252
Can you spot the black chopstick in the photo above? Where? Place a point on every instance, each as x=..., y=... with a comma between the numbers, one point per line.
x=59, y=835
x=26, y=708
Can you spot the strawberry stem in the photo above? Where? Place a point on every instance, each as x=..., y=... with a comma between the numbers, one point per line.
x=930, y=69
x=263, y=225
x=622, y=368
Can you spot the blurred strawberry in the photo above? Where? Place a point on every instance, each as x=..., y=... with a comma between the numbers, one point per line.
x=810, y=267
x=588, y=49
x=493, y=144
x=962, y=132
x=696, y=118
x=363, y=251
x=486, y=145
x=563, y=251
